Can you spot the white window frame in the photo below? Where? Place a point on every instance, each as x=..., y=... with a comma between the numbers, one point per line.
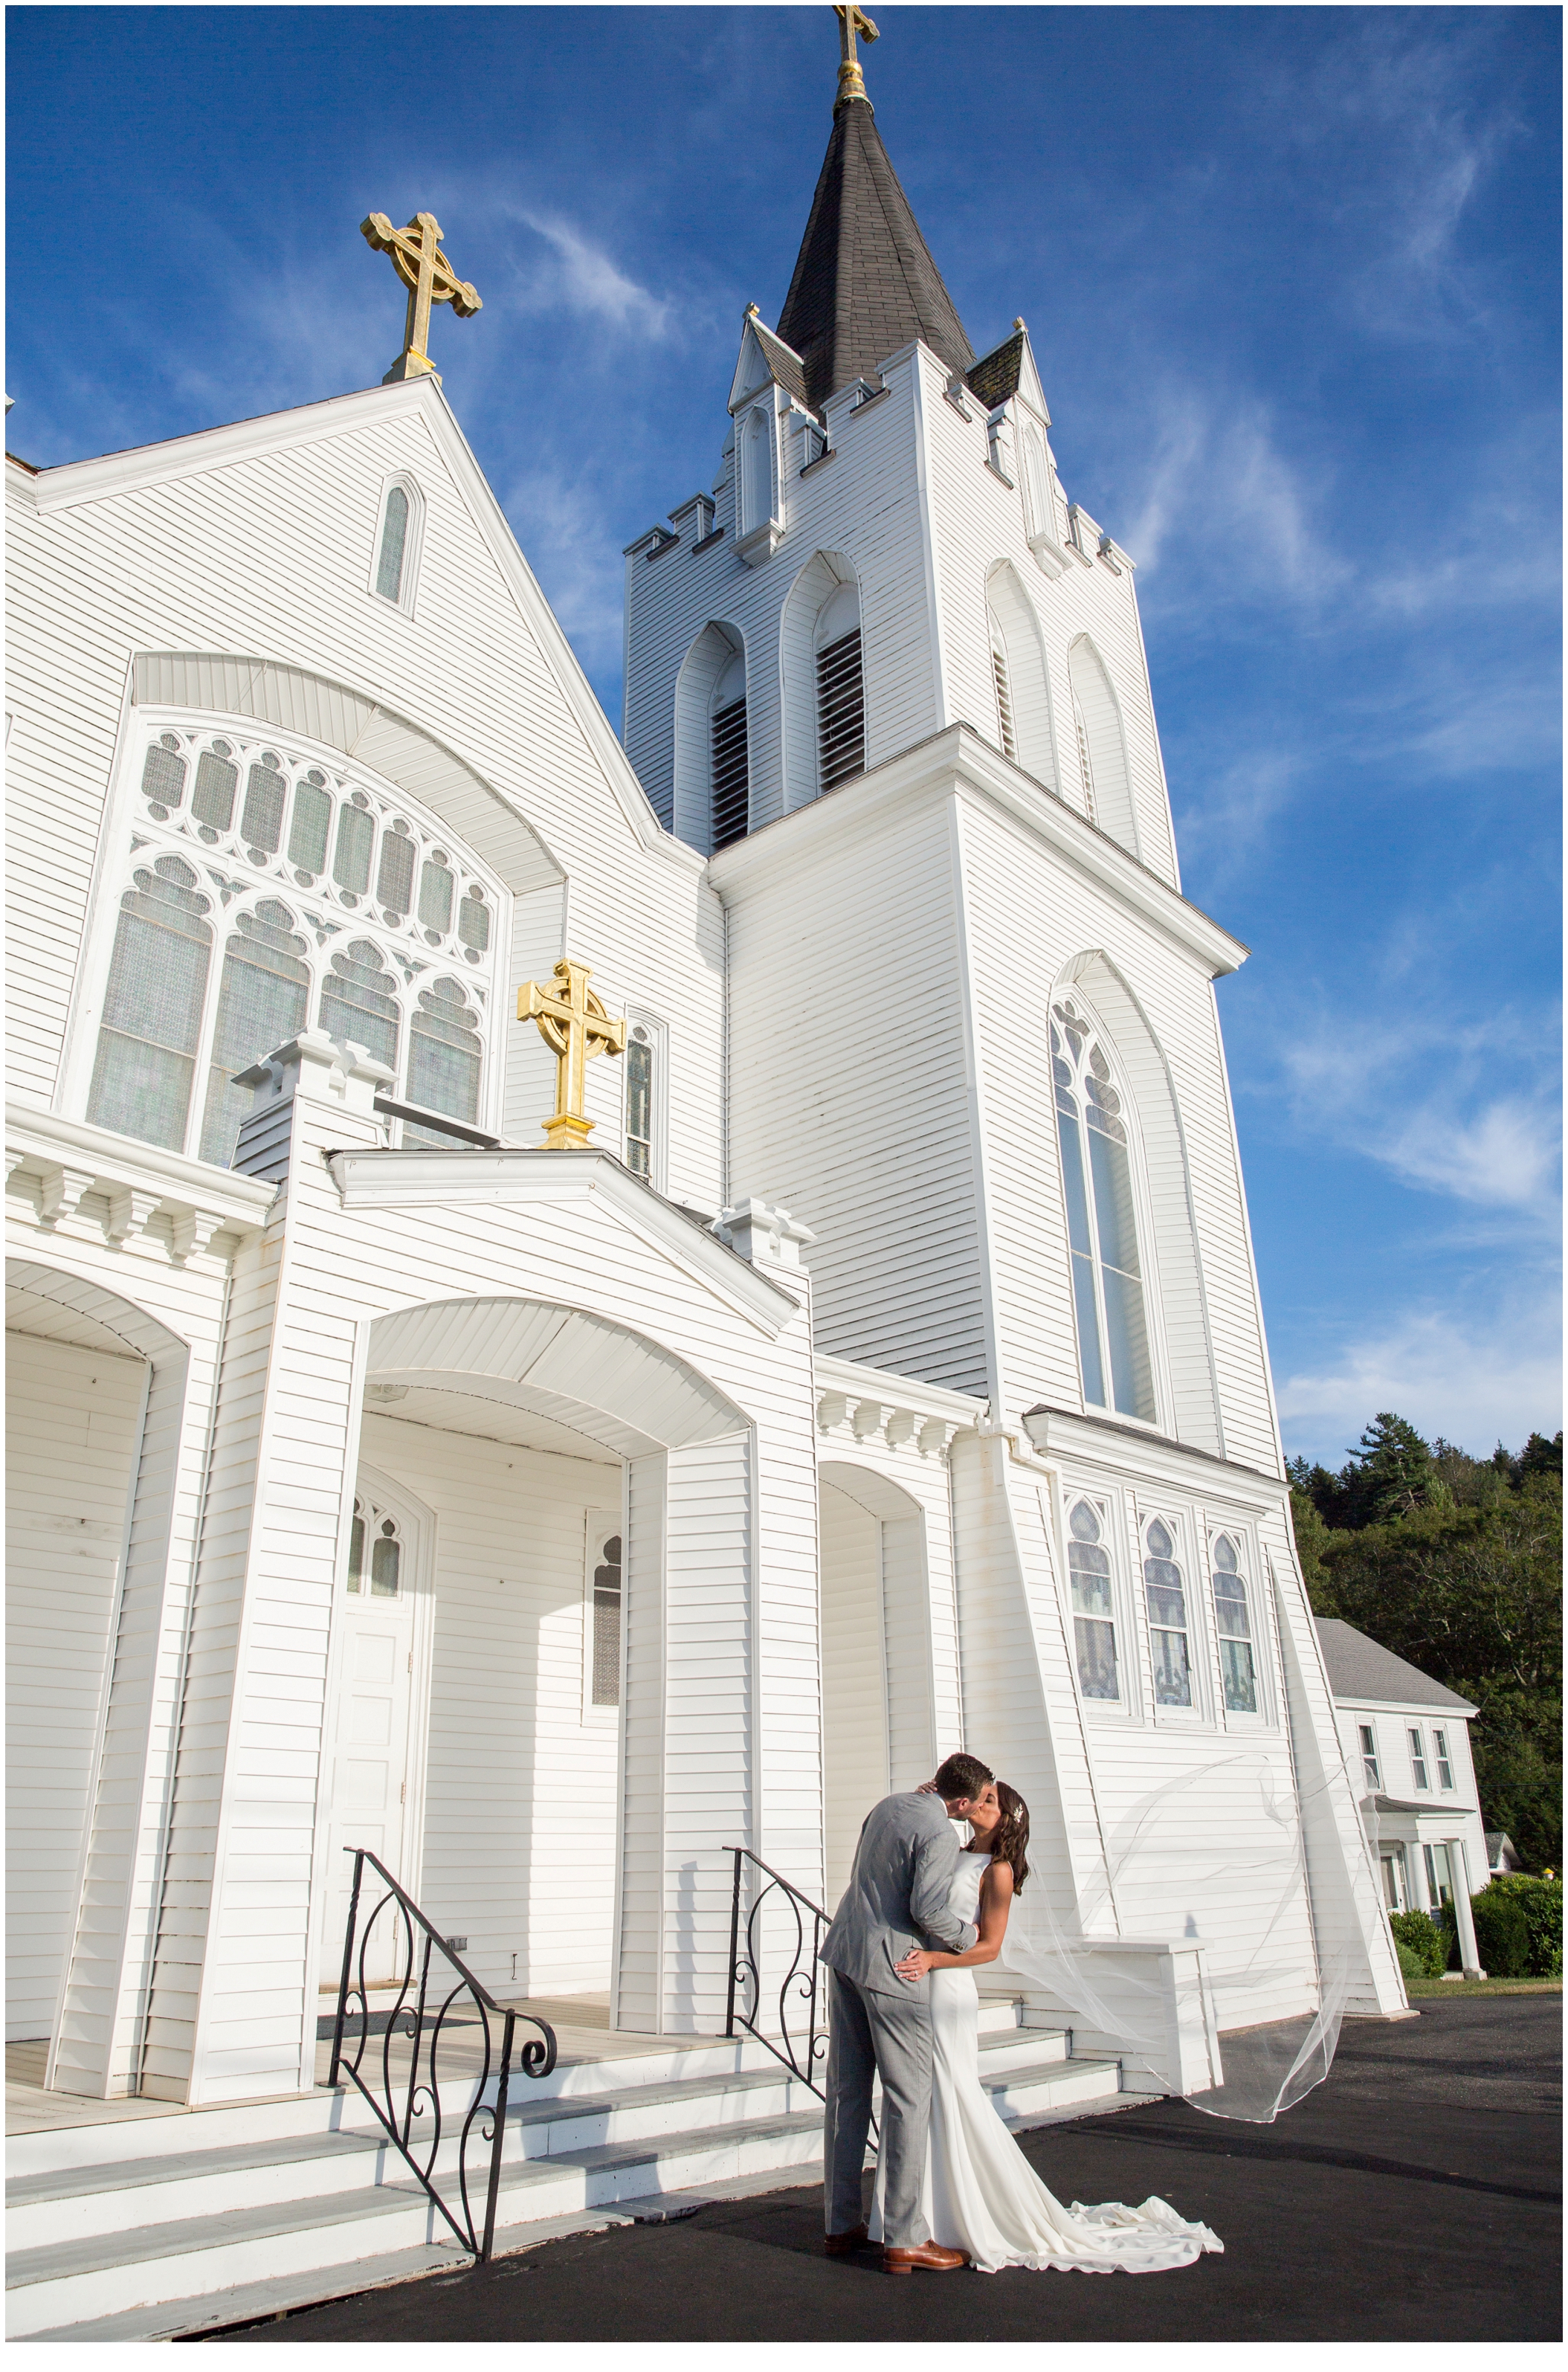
x=413, y=547
x=1115, y=1517
x=1365, y=1730
x=131, y=838
x=1199, y=1714
x=638, y=1017
x=1444, y=1762
x=1420, y=1761
x=1252, y=1570
x=601, y=1524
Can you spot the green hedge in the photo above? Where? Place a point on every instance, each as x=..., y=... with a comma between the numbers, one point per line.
x=1422, y=1936
x=1540, y=1900
x=1409, y=1964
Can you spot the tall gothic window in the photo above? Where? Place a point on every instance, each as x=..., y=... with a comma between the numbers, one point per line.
x=756, y=470
x=1232, y=1622
x=640, y=1057
x=397, y=544
x=1167, y=1597
x=1094, y=1613
x=841, y=692
x=1097, y=1178
x=607, y=1601
x=265, y=887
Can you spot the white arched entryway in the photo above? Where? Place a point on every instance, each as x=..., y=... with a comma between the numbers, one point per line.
x=542, y=1467
x=879, y=1720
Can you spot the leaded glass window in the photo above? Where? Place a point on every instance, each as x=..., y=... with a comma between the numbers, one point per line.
x=1094, y=1611
x=1166, y=1596
x=1232, y=1622
x=1102, y=1233
x=153, y=1007
x=263, y=1002
x=359, y=1002
x=394, y=544
x=607, y=1596
x=443, y=1059
x=640, y=1102
x=287, y=849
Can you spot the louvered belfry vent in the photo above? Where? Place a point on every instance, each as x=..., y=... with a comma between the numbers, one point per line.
x=1005, y=705
x=840, y=711
x=731, y=782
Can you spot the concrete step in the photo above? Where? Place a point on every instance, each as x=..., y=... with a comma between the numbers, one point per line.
x=324, y=2206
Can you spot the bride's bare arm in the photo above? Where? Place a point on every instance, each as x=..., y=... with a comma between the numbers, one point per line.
x=995, y=1902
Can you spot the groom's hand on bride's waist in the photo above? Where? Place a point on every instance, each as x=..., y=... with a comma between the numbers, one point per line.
x=914, y=1965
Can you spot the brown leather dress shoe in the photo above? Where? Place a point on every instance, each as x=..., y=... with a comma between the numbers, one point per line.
x=845, y=2244
x=926, y=2258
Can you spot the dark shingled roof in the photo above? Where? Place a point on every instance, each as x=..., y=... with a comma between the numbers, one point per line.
x=995, y=377
x=865, y=284
x=1358, y=1666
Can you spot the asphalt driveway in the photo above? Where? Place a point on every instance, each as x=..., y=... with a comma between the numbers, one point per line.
x=1416, y=2194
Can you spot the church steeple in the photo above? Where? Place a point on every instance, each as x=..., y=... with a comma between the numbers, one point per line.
x=865, y=282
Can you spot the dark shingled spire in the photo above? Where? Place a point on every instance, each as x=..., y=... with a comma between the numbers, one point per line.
x=865, y=284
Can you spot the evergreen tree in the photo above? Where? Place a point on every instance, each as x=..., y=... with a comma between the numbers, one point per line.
x=1393, y=1470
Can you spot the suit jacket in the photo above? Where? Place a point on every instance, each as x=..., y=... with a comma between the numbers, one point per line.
x=897, y=1897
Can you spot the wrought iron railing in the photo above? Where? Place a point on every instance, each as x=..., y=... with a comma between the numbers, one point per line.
x=800, y=1982
x=400, y=2097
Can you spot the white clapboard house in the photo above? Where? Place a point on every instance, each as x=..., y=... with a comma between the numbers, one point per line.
x=1407, y=1743
x=886, y=1372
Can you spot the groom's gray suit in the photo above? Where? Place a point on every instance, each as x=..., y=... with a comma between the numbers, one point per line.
x=897, y=1898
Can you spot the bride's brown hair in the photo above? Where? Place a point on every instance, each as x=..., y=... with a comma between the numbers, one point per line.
x=1010, y=1837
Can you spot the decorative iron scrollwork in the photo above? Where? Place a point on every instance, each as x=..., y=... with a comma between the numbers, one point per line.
x=424, y=2015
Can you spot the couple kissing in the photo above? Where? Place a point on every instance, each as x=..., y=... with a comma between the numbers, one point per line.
x=953, y=2188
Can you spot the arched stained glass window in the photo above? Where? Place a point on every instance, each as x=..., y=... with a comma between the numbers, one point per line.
x=1232, y=1622
x=1094, y=1610
x=1097, y=1178
x=443, y=1059
x=152, y=1009
x=359, y=1001
x=264, y=1000
x=1166, y=1598
x=394, y=544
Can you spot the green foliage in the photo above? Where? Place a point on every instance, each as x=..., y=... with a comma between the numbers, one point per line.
x=1540, y=1900
x=1464, y=1583
x=1410, y=1963
x=1422, y=1936
x=1502, y=1934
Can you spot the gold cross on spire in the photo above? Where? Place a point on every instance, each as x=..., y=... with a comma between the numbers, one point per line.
x=575, y=1027
x=852, y=82
x=429, y=279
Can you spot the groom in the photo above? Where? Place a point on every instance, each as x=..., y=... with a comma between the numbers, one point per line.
x=897, y=1898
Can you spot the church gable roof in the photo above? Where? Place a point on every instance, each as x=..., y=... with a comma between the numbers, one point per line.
x=865, y=282
x=763, y=356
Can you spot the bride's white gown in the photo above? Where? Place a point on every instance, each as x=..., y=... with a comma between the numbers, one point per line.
x=981, y=2193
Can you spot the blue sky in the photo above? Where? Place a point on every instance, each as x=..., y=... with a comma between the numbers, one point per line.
x=1293, y=279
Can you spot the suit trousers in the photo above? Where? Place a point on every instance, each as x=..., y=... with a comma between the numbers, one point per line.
x=887, y=2035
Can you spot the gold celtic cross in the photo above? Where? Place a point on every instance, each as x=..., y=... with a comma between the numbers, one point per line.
x=852, y=82
x=575, y=1027
x=429, y=279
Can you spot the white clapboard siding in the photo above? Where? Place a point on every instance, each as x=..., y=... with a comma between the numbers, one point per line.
x=854, y=1681
x=73, y=1422
x=269, y=557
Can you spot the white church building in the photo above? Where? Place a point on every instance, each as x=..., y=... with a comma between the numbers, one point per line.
x=885, y=1372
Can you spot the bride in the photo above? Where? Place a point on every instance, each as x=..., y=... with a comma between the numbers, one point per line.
x=981, y=2193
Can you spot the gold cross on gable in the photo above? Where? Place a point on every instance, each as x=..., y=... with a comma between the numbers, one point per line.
x=429, y=279
x=852, y=82
x=575, y=1027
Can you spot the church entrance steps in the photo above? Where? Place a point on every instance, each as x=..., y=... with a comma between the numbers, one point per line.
x=304, y=2191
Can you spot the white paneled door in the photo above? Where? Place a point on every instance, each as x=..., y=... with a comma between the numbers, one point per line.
x=370, y=1780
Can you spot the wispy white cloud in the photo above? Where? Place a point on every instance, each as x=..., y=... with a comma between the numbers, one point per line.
x=1476, y=1380
x=1212, y=476
x=563, y=528
x=577, y=275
